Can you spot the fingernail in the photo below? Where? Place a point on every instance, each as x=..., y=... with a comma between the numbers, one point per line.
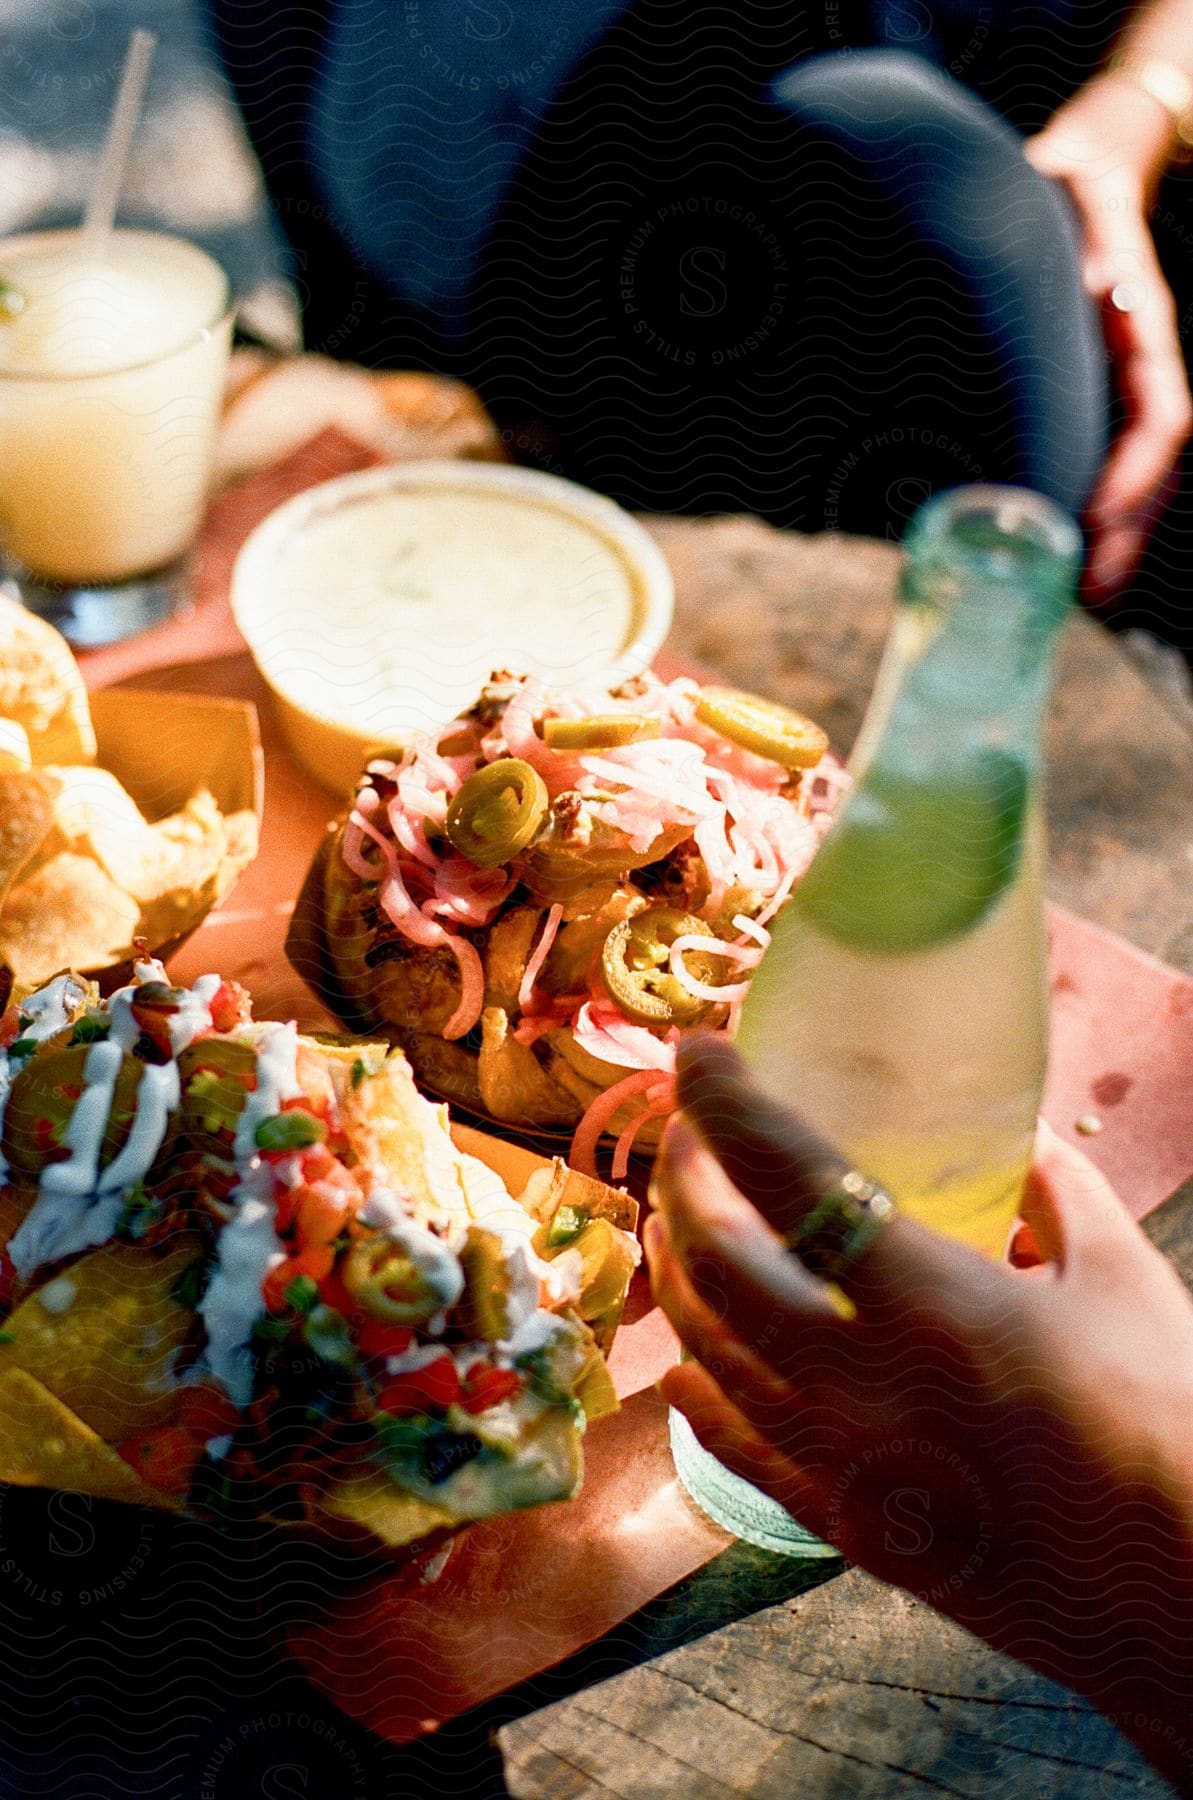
x=680, y=1142
x=654, y=1236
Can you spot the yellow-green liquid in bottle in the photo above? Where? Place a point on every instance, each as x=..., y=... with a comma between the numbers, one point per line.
x=901, y=1007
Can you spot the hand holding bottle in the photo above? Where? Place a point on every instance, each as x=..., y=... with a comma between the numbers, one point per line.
x=1011, y=1447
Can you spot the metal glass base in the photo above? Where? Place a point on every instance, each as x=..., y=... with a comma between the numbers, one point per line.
x=736, y=1506
x=104, y=613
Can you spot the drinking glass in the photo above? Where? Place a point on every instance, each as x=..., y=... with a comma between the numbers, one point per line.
x=112, y=369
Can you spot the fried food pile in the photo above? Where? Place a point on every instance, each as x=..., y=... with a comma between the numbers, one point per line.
x=245, y=1269
x=537, y=900
x=83, y=873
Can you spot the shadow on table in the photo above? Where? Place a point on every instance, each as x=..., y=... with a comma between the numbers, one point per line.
x=142, y=1658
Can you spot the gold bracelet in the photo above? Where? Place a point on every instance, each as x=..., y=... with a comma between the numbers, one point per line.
x=1168, y=86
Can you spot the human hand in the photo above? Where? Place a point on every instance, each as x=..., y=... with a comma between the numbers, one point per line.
x=1013, y=1448
x=1107, y=147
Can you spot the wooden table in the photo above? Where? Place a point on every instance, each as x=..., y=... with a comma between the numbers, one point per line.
x=753, y=1678
x=852, y=1688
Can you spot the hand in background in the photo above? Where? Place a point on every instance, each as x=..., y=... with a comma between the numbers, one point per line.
x=1107, y=147
x=1013, y=1448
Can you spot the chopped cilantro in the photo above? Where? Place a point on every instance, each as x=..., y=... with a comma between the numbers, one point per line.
x=140, y=1212
x=326, y=1332
x=359, y=1072
x=8, y=1337
x=22, y=1049
x=301, y=1294
x=424, y=1447
x=90, y=1028
x=270, y=1329
x=191, y=1285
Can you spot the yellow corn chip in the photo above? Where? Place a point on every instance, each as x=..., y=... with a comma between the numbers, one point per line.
x=14, y=747
x=108, y=1344
x=44, y=1444
x=26, y=818
x=67, y=913
x=42, y=689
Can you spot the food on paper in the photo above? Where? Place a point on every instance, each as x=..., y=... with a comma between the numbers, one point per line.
x=245, y=1268
x=83, y=873
x=539, y=898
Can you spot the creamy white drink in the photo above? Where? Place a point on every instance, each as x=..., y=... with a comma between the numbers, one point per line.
x=111, y=373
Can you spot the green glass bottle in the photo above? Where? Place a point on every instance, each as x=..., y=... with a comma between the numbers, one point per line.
x=902, y=1005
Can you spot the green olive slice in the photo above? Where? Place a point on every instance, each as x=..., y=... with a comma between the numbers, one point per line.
x=601, y=731
x=762, y=726
x=636, y=967
x=497, y=811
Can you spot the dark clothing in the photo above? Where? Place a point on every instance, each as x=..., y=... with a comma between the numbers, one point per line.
x=682, y=261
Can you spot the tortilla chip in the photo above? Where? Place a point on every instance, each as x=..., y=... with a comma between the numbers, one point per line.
x=42, y=689
x=241, y=835
x=66, y=914
x=95, y=816
x=26, y=819
x=14, y=747
x=404, y=1141
x=109, y=1353
x=556, y=1185
x=373, y=1504
x=44, y=1444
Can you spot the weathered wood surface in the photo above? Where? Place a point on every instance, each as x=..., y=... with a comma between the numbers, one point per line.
x=849, y=1690
x=852, y=1689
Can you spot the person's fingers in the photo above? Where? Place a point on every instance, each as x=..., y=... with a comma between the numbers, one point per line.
x=725, y=1434
x=1139, y=322
x=739, y=1268
x=776, y=1162
x=1075, y=1215
x=700, y=1330
x=811, y=1431
x=768, y=1153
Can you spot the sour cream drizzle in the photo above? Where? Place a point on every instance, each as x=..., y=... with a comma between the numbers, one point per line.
x=51, y=1008
x=434, y=1260
x=248, y=1246
x=77, y=1205
x=246, y=1250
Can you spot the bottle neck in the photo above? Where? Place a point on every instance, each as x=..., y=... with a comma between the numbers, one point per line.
x=985, y=588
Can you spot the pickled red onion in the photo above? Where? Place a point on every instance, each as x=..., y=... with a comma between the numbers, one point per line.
x=598, y=1114
x=472, y=986
x=608, y=1035
x=538, y=957
x=659, y=1102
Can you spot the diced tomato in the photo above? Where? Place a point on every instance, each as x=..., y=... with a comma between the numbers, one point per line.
x=316, y=1263
x=230, y=1006
x=435, y=1384
x=485, y=1386
x=319, y=1216
x=333, y=1293
x=10, y=1025
x=165, y=1458
x=375, y=1338
x=207, y=1410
